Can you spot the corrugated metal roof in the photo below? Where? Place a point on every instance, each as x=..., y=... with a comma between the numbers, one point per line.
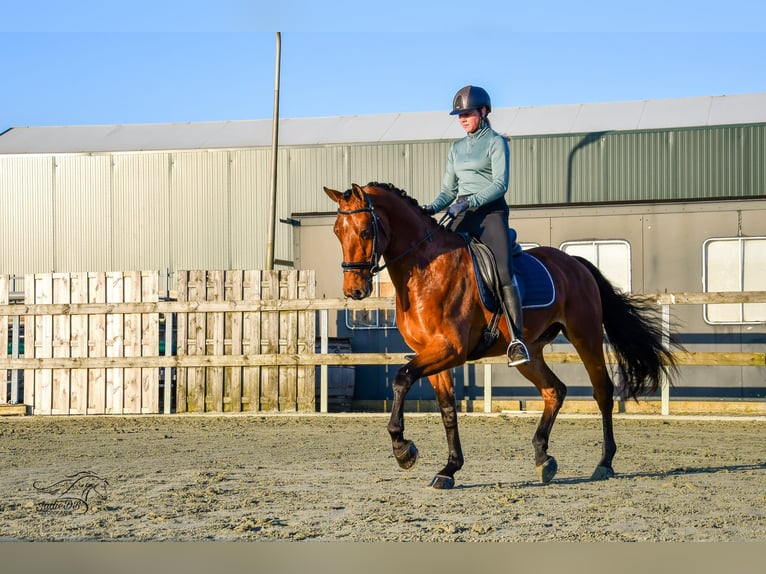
x=410, y=126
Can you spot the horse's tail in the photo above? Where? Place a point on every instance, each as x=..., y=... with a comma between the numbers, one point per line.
x=634, y=331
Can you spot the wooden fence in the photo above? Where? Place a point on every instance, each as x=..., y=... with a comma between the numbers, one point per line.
x=92, y=342
x=246, y=342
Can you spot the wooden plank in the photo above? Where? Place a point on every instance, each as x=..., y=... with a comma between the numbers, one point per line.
x=131, y=377
x=168, y=372
x=30, y=343
x=251, y=341
x=7, y=410
x=150, y=344
x=233, y=343
x=43, y=285
x=288, y=342
x=97, y=390
x=78, y=345
x=214, y=342
x=182, y=323
x=270, y=342
x=60, y=382
x=711, y=298
x=60, y=390
x=317, y=304
x=306, y=344
x=304, y=359
x=114, y=345
x=195, y=344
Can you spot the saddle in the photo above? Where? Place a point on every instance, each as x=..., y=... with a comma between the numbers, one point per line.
x=535, y=285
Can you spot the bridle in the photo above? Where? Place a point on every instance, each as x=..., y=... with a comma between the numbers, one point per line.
x=372, y=265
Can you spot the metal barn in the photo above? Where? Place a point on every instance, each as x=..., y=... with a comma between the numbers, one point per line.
x=661, y=185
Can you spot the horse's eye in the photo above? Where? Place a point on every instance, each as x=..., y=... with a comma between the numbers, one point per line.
x=367, y=234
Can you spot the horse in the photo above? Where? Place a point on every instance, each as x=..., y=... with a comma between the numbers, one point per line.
x=441, y=317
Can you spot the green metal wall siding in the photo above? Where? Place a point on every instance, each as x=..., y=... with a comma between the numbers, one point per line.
x=427, y=163
x=755, y=160
x=382, y=163
x=524, y=180
x=309, y=170
x=650, y=178
x=709, y=163
x=564, y=169
x=657, y=165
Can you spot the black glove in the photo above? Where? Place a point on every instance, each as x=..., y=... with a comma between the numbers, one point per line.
x=428, y=209
x=458, y=207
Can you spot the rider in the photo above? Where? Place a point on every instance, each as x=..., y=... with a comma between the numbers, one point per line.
x=476, y=179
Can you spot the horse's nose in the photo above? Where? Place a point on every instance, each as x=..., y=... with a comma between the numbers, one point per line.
x=358, y=294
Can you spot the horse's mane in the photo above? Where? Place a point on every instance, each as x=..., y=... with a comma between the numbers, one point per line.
x=390, y=187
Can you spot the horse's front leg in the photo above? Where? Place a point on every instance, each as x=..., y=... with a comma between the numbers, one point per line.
x=433, y=363
x=442, y=384
x=404, y=450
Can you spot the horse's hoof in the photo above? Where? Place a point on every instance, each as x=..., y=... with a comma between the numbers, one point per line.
x=602, y=473
x=408, y=456
x=442, y=482
x=547, y=470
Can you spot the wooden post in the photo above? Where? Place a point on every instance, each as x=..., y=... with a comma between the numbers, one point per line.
x=78, y=378
x=487, y=388
x=97, y=387
x=167, y=391
x=232, y=382
x=251, y=341
x=665, y=384
x=323, y=348
x=150, y=343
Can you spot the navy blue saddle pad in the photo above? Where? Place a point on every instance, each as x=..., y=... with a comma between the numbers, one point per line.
x=534, y=280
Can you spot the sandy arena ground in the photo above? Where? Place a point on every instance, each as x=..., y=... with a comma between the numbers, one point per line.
x=334, y=478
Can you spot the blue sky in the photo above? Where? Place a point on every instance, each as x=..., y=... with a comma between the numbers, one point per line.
x=143, y=61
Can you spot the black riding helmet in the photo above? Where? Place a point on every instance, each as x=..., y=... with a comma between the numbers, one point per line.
x=470, y=98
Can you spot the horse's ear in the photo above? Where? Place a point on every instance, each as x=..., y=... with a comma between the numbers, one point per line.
x=332, y=194
x=357, y=191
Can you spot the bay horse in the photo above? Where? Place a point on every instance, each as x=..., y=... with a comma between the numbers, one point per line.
x=441, y=317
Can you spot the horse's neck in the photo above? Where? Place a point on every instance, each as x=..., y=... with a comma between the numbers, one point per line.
x=416, y=240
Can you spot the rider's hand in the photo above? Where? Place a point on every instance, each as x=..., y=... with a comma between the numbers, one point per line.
x=428, y=209
x=458, y=207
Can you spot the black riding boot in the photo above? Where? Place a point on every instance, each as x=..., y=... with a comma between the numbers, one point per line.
x=517, y=351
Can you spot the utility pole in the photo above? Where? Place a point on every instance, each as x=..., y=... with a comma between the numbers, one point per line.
x=274, y=148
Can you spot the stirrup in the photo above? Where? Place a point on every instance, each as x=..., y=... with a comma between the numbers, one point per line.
x=517, y=353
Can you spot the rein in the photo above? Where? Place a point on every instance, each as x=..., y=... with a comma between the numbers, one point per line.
x=372, y=264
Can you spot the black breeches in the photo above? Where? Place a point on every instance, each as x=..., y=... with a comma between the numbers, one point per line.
x=489, y=223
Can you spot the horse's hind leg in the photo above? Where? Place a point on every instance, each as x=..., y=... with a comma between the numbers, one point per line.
x=553, y=392
x=592, y=356
x=603, y=393
x=442, y=384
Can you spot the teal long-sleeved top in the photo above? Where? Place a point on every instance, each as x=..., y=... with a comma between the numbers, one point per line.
x=477, y=168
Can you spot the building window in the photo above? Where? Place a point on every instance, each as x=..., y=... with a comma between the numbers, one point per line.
x=731, y=265
x=612, y=257
x=375, y=318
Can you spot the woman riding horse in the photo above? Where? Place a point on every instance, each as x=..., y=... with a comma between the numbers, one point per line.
x=476, y=179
